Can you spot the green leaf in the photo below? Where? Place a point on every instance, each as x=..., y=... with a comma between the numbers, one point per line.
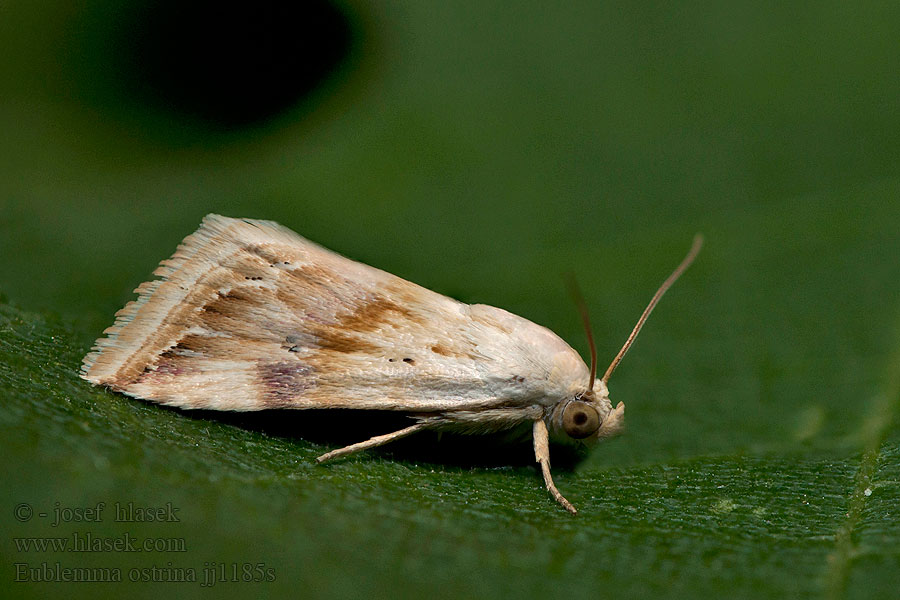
x=483, y=152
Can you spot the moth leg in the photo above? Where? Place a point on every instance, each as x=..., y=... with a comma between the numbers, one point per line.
x=378, y=440
x=542, y=455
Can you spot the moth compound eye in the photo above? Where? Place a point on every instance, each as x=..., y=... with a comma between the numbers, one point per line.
x=580, y=419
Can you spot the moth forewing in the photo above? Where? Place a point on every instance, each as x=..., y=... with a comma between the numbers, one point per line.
x=248, y=315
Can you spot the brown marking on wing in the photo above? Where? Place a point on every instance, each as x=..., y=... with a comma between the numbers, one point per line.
x=292, y=300
x=344, y=336
x=312, y=273
x=339, y=332
x=235, y=302
x=244, y=311
x=442, y=350
x=334, y=340
x=490, y=321
x=405, y=293
x=453, y=352
x=285, y=381
x=368, y=316
x=310, y=289
x=192, y=343
x=304, y=298
x=198, y=346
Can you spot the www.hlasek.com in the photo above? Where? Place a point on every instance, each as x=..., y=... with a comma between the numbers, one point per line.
x=85, y=541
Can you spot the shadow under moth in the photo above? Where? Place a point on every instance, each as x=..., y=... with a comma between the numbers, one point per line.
x=247, y=315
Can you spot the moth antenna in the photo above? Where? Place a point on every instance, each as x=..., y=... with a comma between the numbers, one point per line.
x=685, y=263
x=582, y=308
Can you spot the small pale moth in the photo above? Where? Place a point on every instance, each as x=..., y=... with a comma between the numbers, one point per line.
x=247, y=315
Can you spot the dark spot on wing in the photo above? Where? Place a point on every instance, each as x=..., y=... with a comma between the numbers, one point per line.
x=409, y=361
x=284, y=381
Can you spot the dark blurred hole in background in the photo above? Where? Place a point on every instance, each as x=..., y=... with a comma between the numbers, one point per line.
x=219, y=65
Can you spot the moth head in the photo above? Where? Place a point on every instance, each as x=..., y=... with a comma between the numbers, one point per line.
x=589, y=415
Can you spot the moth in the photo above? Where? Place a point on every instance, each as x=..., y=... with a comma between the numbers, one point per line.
x=247, y=315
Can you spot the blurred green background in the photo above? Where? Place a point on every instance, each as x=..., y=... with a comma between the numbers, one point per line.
x=483, y=150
